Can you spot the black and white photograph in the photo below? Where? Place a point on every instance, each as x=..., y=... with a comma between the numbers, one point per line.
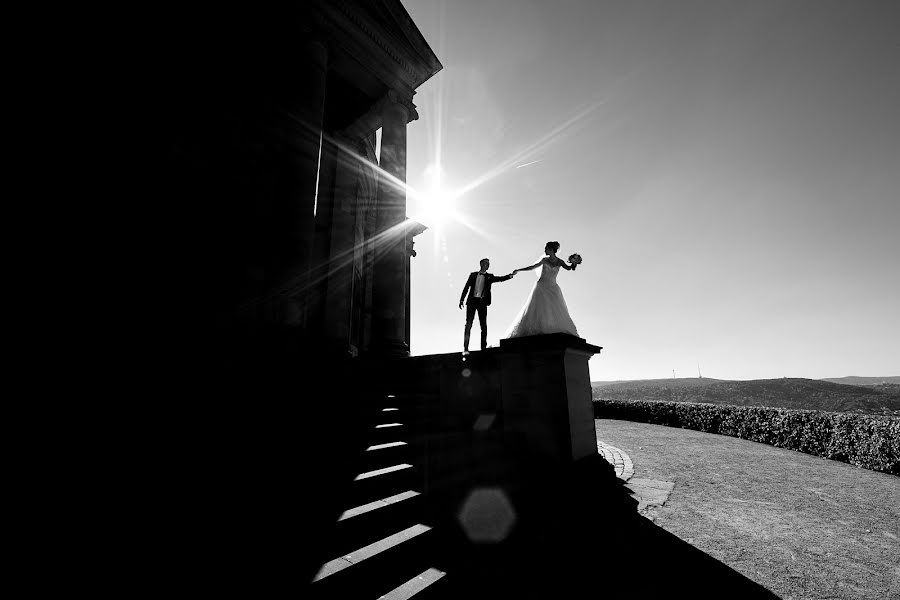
x=514, y=299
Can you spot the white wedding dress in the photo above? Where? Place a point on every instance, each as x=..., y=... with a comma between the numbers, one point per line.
x=545, y=311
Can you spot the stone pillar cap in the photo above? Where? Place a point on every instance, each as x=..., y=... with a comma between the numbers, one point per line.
x=549, y=341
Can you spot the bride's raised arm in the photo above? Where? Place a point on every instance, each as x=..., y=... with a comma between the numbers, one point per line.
x=534, y=266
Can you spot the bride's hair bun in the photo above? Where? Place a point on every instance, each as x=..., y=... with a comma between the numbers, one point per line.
x=554, y=245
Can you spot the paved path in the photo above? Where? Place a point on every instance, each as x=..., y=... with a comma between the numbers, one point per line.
x=618, y=459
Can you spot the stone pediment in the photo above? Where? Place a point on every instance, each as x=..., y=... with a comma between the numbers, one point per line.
x=382, y=38
x=409, y=41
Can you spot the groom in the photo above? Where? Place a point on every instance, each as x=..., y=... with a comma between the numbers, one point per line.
x=479, y=284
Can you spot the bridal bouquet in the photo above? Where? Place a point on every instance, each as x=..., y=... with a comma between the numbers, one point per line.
x=574, y=260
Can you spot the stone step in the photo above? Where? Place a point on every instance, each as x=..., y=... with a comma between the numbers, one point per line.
x=445, y=587
x=471, y=571
x=455, y=583
x=420, y=450
x=415, y=586
x=385, y=414
x=378, y=456
x=376, y=569
x=406, y=414
x=362, y=525
x=397, y=430
x=389, y=430
x=371, y=486
x=400, y=400
x=408, y=397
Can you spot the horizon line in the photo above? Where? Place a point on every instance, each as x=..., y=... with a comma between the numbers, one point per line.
x=754, y=379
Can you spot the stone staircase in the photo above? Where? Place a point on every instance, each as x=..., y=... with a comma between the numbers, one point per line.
x=436, y=474
x=384, y=540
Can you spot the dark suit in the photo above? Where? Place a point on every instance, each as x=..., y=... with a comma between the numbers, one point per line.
x=478, y=305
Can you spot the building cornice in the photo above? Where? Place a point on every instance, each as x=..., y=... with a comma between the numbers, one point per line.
x=380, y=36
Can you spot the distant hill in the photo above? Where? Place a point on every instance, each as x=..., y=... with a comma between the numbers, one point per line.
x=864, y=380
x=810, y=394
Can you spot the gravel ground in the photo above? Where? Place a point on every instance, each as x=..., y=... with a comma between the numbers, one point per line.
x=802, y=526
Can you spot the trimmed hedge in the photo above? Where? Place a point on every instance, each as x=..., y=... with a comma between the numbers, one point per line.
x=868, y=441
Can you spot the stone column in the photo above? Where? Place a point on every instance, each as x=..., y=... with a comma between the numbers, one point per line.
x=413, y=229
x=305, y=105
x=338, y=301
x=389, y=291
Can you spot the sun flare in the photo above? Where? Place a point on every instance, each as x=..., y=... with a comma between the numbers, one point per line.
x=434, y=205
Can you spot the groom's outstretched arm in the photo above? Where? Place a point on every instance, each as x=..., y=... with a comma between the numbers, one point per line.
x=504, y=277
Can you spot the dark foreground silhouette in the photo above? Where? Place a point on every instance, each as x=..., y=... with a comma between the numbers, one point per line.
x=578, y=534
x=259, y=490
x=252, y=501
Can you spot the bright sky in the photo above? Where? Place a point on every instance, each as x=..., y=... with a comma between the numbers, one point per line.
x=729, y=171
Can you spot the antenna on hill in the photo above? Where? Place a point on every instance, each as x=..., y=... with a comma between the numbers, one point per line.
x=698, y=370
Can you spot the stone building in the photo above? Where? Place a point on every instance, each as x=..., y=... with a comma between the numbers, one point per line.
x=311, y=237
x=363, y=63
x=290, y=317
x=287, y=253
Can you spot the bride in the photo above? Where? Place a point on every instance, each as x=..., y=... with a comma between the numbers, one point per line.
x=545, y=311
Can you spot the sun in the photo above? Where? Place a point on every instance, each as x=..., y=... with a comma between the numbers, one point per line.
x=435, y=205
